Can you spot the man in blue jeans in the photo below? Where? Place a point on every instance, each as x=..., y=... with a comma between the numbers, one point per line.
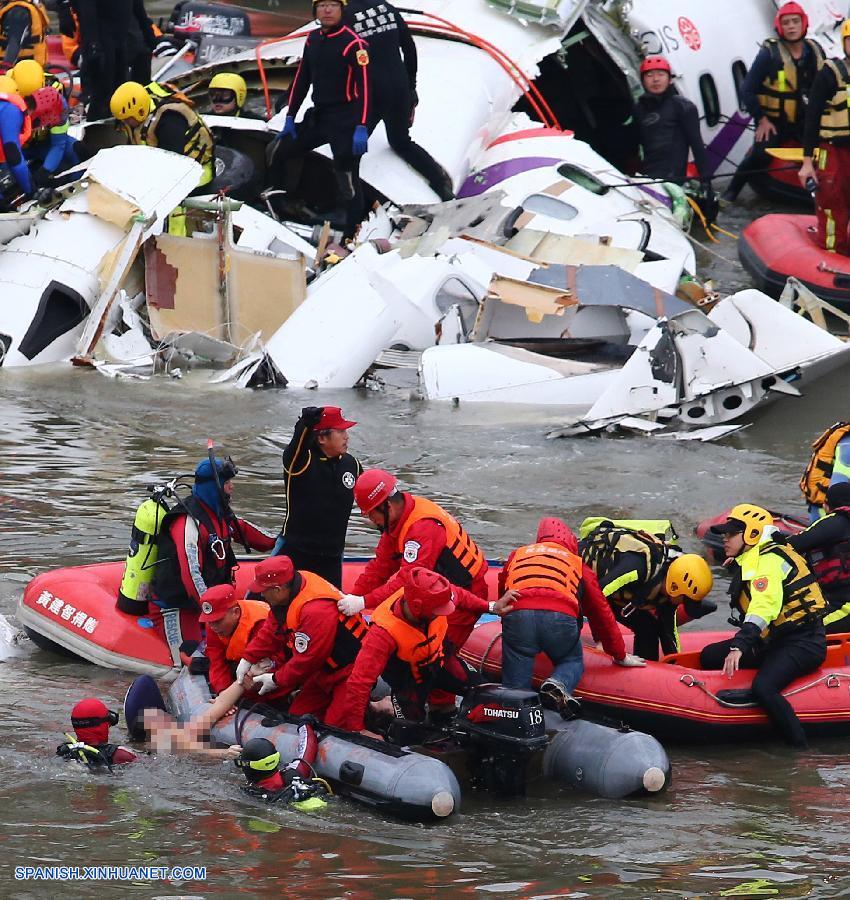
x=554, y=589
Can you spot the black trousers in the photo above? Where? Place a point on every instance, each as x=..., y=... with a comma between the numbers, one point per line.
x=326, y=125
x=779, y=662
x=328, y=567
x=651, y=630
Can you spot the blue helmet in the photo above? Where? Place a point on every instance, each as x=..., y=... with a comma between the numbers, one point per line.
x=226, y=470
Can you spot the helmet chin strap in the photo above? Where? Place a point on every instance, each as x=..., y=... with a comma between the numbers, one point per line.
x=385, y=509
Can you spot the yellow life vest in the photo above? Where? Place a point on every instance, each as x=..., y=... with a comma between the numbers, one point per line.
x=200, y=144
x=35, y=46
x=835, y=121
x=815, y=480
x=802, y=600
x=779, y=96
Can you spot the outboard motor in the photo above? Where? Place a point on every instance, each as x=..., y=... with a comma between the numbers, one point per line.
x=500, y=728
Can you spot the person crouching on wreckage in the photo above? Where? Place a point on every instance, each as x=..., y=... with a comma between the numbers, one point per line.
x=407, y=646
x=553, y=589
x=316, y=643
x=195, y=553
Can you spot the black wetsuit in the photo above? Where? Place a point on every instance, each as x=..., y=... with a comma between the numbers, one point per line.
x=669, y=128
x=826, y=544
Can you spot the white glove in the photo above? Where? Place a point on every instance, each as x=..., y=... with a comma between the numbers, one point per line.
x=630, y=661
x=242, y=670
x=351, y=604
x=266, y=683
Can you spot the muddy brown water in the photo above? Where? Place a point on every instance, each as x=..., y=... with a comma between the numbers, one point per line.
x=76, y=451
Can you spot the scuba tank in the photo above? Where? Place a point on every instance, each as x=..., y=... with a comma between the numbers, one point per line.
x=142, y=554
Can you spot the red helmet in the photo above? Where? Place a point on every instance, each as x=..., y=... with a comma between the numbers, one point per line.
x=655, y=64
x=790, y=9
x=557, y=531
x=47, y=108
x=427, y=594
x=372, y=488
x=91, y=720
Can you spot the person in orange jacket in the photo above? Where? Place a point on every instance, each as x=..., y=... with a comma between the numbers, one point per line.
x=319, y=644
x=554, y=590
x=231, y=624
x=407, y=645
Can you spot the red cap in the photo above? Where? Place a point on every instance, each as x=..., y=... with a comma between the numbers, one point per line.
x=216, y=601
x=332, y=418
x=427, y=593
x=272, y=572
x=557, y=531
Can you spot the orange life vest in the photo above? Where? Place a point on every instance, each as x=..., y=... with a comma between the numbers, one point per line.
x=460, y=549
x=816, y=478
x=26, y=129
x=545, y=565
x=35, y=46
x=350, y=629
x=253, y=611
x=417, y=649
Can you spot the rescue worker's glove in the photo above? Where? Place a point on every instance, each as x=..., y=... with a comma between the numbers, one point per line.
x=696, y=609
x=350, y=605
x=44, y=196
x=709, y=203
x=630, y=661
x=360, y=144
x=312, y=415
x=288, y=129
x=242, y=670
x=266, y=683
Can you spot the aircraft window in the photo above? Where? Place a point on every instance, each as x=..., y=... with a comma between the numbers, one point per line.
x=739, y=73
x=710, y=100
x=583, y=178
x=60, y=309
x=545, y=205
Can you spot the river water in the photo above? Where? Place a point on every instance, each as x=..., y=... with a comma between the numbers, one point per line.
x=76, y=451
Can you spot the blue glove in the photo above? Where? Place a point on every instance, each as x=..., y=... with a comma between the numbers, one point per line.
x=360, y=144
x=288, y=129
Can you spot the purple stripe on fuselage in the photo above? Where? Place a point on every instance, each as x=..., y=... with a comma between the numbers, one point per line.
x=485, y=179
x=656, y=195
x=729, y=135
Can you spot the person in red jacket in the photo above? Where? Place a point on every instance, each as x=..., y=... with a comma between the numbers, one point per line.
x=408, y=645
x=318, y=642
x=415, y=532
x=91, y=720
x=231, y=625
x=554, y=589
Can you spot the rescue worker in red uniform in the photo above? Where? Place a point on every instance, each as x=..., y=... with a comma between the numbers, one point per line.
x=554, y=589
x=335, y=63
x=195, y=552
x=826, y=149
x=231, y=625
x=416, y=532
x=305, y=628
x=91, y=720
x=408, y=645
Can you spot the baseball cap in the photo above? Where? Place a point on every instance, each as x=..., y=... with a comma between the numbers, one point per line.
x=272, y=572
x=216, y=601
x=332, y=418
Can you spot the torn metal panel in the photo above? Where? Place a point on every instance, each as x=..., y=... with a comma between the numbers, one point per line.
x=537, y=300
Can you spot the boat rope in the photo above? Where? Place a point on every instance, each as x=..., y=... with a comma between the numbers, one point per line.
x=831, y=680
x=486, y=653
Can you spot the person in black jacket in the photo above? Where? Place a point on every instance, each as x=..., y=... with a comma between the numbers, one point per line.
x=319, y=475
x=826, y=545
x=393, y=65
x=669, y=127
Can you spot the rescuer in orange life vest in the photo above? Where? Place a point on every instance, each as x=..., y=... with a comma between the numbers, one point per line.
x=415, y=532
x=407, y=645
x=305, y=628
x=553, y=589
x=231, y=625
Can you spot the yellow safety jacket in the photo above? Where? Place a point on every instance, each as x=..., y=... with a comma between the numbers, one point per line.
x=780, y=97
x=835, y=121
x=774, y=583
x=200, y=144
x=35, y=46
x=818, y=474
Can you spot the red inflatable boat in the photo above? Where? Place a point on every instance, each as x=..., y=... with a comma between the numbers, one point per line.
x=72, y=611
x=774, y=247
x=787, y=524
x=677, y=701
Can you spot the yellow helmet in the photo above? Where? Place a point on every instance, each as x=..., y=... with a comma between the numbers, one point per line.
x=130, y=101
x=7, y=85
x=28, y=75
x=845, y=29
x=753, y=518
x=689, y=577
x=230, y=81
